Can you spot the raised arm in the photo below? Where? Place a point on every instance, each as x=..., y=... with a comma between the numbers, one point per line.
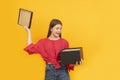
x=29, y=35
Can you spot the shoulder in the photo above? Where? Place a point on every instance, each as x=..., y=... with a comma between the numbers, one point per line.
x=64, y=40
x=65, y=43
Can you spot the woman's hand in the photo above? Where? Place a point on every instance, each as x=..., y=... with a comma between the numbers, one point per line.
x=77, y=63
x=81, y=61
x=26, y=28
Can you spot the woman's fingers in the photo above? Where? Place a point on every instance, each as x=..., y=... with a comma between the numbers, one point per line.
x=26, y=28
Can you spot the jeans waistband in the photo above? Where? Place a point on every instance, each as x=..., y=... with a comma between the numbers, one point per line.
x=51, y=63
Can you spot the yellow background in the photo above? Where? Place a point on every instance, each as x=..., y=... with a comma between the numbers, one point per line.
x=92, y=24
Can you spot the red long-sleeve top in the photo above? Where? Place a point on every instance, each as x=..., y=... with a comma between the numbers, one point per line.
x=49, y=50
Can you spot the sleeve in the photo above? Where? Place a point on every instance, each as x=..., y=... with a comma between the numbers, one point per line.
x=66, y=44
x=37, y=48
x=33, y=48
x=70, y=67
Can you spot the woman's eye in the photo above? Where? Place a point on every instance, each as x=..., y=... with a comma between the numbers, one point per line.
x=57, y=28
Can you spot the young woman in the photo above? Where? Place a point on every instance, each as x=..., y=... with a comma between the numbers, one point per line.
x=49, y=48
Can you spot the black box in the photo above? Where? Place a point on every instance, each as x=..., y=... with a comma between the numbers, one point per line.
x=71, y=55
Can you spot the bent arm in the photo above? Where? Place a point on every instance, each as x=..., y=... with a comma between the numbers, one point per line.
x=29, y=37
x=29, y=40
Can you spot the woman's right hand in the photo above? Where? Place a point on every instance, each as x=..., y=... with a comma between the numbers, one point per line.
x=26, y=28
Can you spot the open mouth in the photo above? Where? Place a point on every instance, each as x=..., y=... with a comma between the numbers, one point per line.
x=58, y=33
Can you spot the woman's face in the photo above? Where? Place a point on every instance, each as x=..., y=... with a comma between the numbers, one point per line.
x=56, y=30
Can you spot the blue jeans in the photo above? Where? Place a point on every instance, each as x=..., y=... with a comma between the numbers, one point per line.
x=56, y=74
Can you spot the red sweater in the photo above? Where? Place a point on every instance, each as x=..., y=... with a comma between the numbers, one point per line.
x=49, y=50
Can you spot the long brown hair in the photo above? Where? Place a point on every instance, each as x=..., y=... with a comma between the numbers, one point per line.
x=52, y=24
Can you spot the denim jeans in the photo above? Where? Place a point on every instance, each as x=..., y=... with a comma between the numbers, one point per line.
x=56, y=74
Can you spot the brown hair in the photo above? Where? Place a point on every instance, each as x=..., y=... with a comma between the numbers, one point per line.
x=52, y=24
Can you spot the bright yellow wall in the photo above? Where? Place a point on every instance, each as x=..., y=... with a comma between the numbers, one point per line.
x=92, y=24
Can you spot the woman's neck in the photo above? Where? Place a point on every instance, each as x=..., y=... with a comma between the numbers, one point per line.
x=51, y=37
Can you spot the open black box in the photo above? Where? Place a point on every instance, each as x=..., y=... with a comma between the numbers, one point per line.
x=71, y=55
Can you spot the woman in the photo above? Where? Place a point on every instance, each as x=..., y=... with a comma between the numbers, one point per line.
x=49, y=48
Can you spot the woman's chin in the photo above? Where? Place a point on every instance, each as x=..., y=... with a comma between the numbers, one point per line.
x=57, y=36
